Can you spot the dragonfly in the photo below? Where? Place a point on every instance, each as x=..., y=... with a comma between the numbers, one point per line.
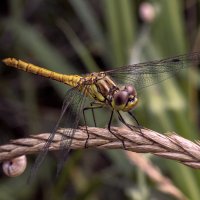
x=116, y=89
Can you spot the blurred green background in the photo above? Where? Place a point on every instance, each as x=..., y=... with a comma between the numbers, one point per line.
x=77, y=37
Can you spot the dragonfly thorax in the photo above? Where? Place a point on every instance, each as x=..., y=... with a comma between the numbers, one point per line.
x=105, y=90
x=124, y=99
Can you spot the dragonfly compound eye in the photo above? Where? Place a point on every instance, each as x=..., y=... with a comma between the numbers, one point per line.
x=131, y=90
x=121, y=97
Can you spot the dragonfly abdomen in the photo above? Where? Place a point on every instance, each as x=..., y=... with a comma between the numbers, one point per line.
x=71, y=80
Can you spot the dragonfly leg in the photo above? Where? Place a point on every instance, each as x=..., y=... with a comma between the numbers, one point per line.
x=131, y=114
x=109, y=128
x=93, y=116
x=123, y=121
x=139, y=126
x=129, y=125
x=92, y=107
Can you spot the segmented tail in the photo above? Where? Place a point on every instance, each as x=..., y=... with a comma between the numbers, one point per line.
x=71, y=80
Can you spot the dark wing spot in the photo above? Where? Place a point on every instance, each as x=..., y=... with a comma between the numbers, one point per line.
x=175, y=60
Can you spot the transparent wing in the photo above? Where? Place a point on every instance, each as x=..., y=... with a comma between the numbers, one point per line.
x=72, y=105
x=75, y=109
x=145, y=74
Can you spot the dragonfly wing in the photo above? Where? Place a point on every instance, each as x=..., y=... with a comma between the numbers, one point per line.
x=149, y=73
x=72, y=105
x=78, y=103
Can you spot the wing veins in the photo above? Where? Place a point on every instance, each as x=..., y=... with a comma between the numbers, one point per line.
x=41, y=156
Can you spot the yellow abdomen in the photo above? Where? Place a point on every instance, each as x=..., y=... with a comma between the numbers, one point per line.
x=71, y=80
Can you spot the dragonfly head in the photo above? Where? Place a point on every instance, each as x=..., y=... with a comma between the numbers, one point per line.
x=125, y=99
